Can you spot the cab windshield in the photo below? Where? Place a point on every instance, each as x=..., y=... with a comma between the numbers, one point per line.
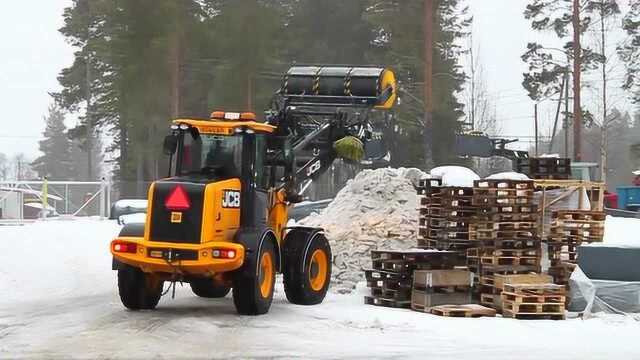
x=211, y=156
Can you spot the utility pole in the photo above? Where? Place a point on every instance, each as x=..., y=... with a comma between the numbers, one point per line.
x=535, y=119
x=577, y=61
x=428, y=80
x=88, y=120
x=555, y=123
x=605, y=125
x=566, y=114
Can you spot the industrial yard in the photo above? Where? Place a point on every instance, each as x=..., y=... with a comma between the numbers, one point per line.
x=66, y=306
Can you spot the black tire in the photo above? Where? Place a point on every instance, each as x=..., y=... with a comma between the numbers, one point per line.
x=247, y=295
x=138, y=291
x=299, y=269
x=207, y=288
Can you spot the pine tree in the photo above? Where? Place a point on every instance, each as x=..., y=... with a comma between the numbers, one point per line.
x=629, y=51
x=548, y=65
x=399, y=37
x=55, y=163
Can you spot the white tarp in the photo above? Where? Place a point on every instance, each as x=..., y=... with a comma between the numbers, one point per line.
x=590, y=296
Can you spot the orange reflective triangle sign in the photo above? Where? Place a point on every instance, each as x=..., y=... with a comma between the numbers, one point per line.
x=178, y=200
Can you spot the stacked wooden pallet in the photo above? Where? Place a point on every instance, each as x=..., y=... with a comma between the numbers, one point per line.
x=545, y=168
x=533, y=301
x=467, y=310
x=445, y=215
x=570, y=229
x=391, y=276
x=440, y=287
x=505, y=229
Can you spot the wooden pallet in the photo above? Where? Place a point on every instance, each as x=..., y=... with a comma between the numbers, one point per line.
x=532, y=299
x=398, y=295
x=490, y=244
x=429, y=183
x=520, y=253
x=448, y=234
x=510, y=260
x=372, y=300
x=457, y=213
x=375, y=275
x=455, y=245
x=454, y=192
x=577, y=215
x=507, y=209
x=491, y=300
x=501, y=279
x=494, y=192
x=502, y=235
x=467, y=310
x=535, y=289
x=408, y=266
x=504, y=184
x=509, y=269
x=502, y=225
x=505, y=217
x=413, y=256
x=487, y=280
x=483, y=201
x=441, y=223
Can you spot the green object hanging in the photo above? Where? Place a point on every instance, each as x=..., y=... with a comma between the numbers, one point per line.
x=349, y=148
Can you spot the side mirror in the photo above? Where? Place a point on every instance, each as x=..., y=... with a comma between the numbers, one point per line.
x=170, y=144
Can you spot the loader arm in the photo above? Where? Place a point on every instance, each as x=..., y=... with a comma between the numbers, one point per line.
x=318, y=106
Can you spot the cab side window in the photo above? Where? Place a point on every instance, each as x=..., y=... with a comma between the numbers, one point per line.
x=261, y=173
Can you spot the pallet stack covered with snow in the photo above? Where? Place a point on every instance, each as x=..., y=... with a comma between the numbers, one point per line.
x=569, y=230
x=505, y=229
x=551, y=168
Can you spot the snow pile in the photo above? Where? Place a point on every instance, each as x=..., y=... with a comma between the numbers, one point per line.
x=620, y=232
x=375, y=210
x=455, y=175
x=510, y=175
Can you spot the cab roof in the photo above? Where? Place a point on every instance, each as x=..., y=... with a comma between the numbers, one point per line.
x=224, y=127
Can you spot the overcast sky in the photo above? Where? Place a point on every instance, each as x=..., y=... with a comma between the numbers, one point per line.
x=33, y=53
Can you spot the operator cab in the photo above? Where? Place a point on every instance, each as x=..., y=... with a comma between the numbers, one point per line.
x=225, y=147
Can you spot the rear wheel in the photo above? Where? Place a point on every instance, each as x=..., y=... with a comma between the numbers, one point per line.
x=253, y=290
x=308, y=270
x=138, y=291
x=207, y=288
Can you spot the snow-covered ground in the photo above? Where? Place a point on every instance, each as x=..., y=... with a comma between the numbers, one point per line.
x=58, y=299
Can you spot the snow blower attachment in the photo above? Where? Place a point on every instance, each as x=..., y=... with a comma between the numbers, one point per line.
x=349, y=86
x=218, y=221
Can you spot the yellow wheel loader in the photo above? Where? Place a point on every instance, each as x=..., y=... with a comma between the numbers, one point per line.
x=219, y=221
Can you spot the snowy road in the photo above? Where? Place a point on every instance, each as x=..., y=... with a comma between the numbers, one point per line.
x=65, y=305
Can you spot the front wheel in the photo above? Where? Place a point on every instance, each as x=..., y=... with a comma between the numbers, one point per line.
x=308, y=270
x=138, y=291
x=253, y=290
